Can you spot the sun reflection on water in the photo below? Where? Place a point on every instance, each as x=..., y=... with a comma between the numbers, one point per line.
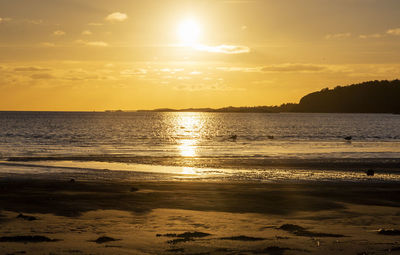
x=189, y=170
x=188, y=126
x=187, y=148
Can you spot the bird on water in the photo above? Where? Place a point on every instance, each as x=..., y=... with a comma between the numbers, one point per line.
x=348, y=138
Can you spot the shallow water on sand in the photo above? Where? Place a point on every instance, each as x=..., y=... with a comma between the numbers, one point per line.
x=94, y=171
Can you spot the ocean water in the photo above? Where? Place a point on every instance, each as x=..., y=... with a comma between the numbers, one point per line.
x=282, y=136
x=166, y=146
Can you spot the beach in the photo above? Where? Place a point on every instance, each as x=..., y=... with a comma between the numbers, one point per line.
x=178, y=183
x=75, y=212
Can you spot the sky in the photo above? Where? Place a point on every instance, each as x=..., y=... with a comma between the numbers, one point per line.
x=93, y=55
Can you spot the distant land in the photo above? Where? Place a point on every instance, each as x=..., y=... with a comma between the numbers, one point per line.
x=367, y=97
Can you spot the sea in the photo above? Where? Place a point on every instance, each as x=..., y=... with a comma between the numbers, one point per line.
x=57, y=140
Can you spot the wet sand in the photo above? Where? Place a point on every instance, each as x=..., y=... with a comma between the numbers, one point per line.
x=52, y=214
x=253, y=162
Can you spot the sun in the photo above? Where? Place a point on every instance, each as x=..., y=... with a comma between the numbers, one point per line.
x=189, y=32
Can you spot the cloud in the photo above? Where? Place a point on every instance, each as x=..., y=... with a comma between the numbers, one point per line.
x=171, y=70
x=294, y=68
x=30, y=69
x=239, y=69
x=117, y=17
x=94, y=24
x=42, y=76
x=288, y=68
x=196, y=73
x=97, y=44
x=394, y=31
x=81, y=75
x=226, y=49
x=3, y=20
x=35, y=21
x=59, y=33
x=218, y=86
x=87, y=32
x=337, y=36
x=93, y=43
x=371, y=36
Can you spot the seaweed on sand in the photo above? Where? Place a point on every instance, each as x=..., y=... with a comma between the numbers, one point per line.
x=27, y=239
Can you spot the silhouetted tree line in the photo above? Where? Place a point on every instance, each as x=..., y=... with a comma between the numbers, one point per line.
x=366, y=97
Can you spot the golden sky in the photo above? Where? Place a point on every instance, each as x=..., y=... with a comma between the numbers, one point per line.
x=145, y=54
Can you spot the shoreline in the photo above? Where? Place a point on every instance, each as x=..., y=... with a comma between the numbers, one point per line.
x=117, y=171
x=231, y=162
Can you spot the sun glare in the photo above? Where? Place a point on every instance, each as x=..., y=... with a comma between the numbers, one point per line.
x=188, y=148
x=187, y=128
x=189, y=32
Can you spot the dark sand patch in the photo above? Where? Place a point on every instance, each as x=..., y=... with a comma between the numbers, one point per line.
x=198, y=253
x=175, y=250
x=26, y=217
x=223, y=250
x=27, y=239
x=133, y=189
x=74, y=251
x=243, y=238
x=271, y=250
x=57, y=197
x=2, y=218
x=194, y=234
x=105, y=239
x=60, y=198
x=17, y=252
x=389, y=232
x=266, y=227
x=180, y=240
x=184, y=237
x=300, y=231
x=282, y=237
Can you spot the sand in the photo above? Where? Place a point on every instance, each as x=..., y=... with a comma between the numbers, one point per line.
x=53, y=215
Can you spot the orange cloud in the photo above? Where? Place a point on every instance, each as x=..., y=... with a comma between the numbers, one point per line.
x=117, y=17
